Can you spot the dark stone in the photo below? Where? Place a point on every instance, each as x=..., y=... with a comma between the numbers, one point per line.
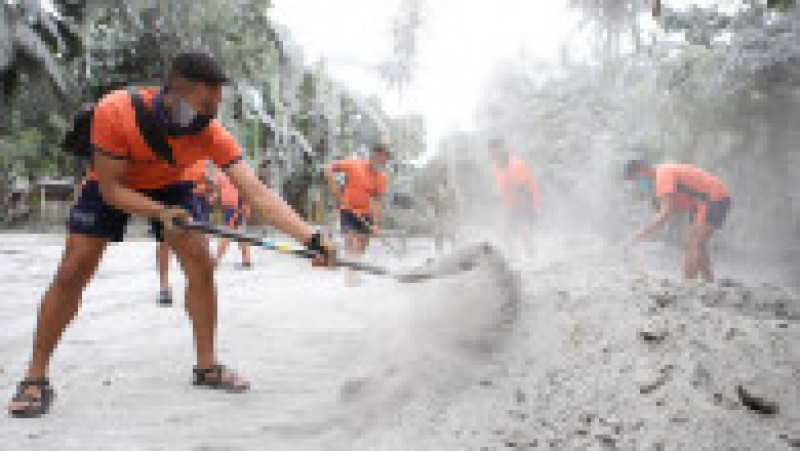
x=663, y=299
x=519, y=396
x=755, y=402
x=607, y=440
x=730, y=283
x=653, y=335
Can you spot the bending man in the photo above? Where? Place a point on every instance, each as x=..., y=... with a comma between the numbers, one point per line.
x=684, y=187
x=129, y=177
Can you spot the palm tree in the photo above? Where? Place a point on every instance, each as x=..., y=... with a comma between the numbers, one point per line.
x=33, y=36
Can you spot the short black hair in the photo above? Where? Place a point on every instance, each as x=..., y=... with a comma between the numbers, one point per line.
x=632, y=167
x=198, y=67
x=380, y=147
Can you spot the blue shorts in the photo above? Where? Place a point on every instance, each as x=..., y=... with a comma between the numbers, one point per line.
x=91, y=215
x=201, y=210
x=350, y=222
x=234, y=216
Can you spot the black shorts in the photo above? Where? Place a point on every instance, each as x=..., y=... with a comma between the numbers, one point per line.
x=201, y=210
x=351, y=222
x=715, y=212
x=91, y=215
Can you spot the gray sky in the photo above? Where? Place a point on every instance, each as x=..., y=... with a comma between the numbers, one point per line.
x=461, y=42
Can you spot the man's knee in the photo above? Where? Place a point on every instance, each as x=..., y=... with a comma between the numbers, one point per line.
x=77, y=266
x=196, y=261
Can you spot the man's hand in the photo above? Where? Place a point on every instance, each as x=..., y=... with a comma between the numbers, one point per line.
x=171, y=217
x=375, y=230
x=323, y=250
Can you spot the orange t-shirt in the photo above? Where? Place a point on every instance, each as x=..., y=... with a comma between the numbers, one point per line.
x=361, y=183
x=691, y=186
x=515, y=182
x=115, y=133
x=197, y=175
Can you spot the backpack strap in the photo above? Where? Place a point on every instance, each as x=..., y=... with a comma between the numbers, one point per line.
x=151, y=131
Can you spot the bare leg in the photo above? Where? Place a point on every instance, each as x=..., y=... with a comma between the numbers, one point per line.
x=162, y=261
x=62, y=299
x=692, y=262
x=245, y=248
x=222, y=248
x=704, y=263
x=193, y=254
x=201, y=298
x=355, y=246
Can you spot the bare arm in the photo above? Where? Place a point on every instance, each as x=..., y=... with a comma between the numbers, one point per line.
x=330, y=176
x=271, y=207
x=375, y=210
x=111, y=178
x=667, y=207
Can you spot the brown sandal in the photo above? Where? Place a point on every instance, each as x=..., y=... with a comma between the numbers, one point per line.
x=219, y=377
x=39, y=403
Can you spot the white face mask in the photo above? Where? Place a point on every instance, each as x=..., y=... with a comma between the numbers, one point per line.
x=183, y=113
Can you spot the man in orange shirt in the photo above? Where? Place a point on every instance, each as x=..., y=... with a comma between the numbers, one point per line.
x=518, y=190
x=195, y=176
x=360, y=200
x=129, y=176
x=684, y=187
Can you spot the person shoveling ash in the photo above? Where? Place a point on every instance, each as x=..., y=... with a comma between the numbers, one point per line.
x=684, y=187
x=518, y=191
x=200, y=207
x=360, y=199
x=236, y=212
x=141, y=143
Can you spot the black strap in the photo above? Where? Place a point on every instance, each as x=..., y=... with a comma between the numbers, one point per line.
x=151, y=131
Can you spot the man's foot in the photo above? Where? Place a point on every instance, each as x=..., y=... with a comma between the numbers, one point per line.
x=244, y=266
x=221, y=378
x=165, y=298
x=33, y=399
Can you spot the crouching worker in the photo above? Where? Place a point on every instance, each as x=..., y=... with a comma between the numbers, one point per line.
x=143, y=140
x=683, y=187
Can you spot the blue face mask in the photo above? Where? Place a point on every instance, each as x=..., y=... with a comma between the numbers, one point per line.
x=644, y=183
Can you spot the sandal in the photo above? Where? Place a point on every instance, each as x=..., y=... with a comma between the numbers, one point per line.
x=219, y=377
x=39, y=403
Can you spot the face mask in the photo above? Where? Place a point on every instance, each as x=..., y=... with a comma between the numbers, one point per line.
x=644, y=183
x=183, y=113
x=183, y=119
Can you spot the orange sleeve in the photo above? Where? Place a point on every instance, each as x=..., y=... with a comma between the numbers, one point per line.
x=107, y=131
x=380, y=189
x=666, y=183
x=222, y=147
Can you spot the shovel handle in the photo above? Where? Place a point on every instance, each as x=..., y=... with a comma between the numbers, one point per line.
x=278, y=246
